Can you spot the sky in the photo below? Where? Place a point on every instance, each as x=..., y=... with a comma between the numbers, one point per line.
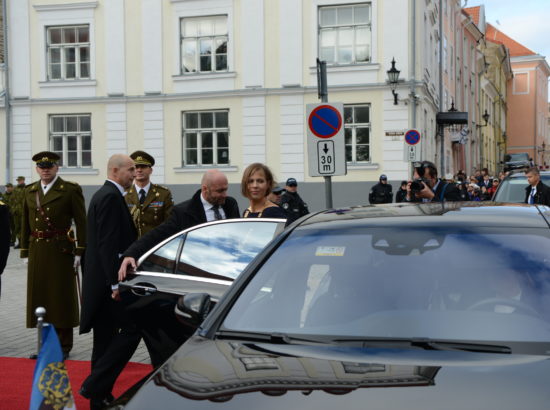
x=526, y=21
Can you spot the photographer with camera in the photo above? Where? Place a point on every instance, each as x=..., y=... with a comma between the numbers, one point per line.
x=427, y=187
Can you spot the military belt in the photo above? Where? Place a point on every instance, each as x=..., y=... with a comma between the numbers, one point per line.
x=47, y=234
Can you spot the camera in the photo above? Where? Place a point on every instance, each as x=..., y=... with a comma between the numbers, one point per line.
x=417, y=185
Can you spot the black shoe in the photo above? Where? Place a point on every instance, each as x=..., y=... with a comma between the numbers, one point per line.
x=96, y=403
x=17, y=246
x=33, y=356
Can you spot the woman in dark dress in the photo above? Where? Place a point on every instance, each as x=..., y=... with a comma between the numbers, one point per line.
x=256, y=185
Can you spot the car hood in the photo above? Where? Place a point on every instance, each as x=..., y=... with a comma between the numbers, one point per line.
x=206, y=373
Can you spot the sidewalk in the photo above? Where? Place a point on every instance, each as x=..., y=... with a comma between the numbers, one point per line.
x=18, y=341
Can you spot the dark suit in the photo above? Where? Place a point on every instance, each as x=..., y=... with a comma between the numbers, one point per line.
x=183, y=216
x=4, y=237
x=542, y=197
x=111, y=231
x=446, y=191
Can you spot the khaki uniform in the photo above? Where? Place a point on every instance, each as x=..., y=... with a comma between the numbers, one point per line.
x=16, y=209
x=45, y=241
x=155, y=209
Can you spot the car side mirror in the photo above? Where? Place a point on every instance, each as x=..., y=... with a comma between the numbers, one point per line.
x=193, y=308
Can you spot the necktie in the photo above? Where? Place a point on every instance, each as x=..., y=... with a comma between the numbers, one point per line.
x=217, y=215
x=532, y=196
x=141, y=196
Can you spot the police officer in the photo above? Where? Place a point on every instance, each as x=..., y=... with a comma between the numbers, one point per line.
x=8, y=198
x=149, y=204
x=291, y=201
x=51, y=248
x=381, y=193
x=17, y=208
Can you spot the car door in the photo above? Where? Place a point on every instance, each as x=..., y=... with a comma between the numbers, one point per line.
x=205, y=258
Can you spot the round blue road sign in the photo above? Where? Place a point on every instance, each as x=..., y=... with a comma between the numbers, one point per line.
x=412, y=137
x=325, y=121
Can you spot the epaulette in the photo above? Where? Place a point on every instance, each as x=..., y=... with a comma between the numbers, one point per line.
x=162, y=187
x=71, y=182
x=2, y=203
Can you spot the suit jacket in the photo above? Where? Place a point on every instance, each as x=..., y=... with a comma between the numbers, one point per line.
x=5, y=235
x=451, y=192
x=183, y=216
x=110, y=231
x=542, y=197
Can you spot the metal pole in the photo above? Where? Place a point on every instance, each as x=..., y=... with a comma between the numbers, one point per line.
x=40, y=313
x=7, y=92
x=442, y=131
x=322, y=92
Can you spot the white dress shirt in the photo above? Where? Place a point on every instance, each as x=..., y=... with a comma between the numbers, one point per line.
x=46, y=188
x=209, y=212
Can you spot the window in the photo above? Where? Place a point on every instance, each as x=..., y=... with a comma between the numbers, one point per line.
x=345, y=34
x=68, y=52
x=203, y=44
x=205, y=138
x=71, y=139
x=357, y=133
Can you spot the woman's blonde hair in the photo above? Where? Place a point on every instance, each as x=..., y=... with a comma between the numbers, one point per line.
x=257, y=166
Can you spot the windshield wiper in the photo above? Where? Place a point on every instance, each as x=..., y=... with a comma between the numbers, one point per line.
x=426, y=344
x=274, y=337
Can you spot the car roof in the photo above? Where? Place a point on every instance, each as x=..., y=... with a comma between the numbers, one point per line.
x=521, y=173
x=446, y=214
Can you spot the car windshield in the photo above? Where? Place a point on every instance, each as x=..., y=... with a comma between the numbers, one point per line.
x=513, y=189
x=474, y=284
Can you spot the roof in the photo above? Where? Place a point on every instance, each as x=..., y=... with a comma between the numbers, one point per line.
x=449, y=214
x=474, y=13
x=496, y=36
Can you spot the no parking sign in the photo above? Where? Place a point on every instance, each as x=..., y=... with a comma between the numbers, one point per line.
x=325, y=144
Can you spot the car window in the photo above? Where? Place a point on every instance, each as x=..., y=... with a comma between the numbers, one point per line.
x=163, y=259
x=223, y=250
x=513, y=189
x=476, y=285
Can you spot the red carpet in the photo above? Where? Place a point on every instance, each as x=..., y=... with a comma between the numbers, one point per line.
x=16, y=380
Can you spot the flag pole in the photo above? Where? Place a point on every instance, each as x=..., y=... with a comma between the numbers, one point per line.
x=40, y=312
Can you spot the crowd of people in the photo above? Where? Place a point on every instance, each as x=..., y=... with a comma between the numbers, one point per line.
x=129, y=214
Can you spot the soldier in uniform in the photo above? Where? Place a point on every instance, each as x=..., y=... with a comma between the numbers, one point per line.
x=17, y=208
x=291, y=201
x=50, y=206
x=9, y=199
x=149, y=204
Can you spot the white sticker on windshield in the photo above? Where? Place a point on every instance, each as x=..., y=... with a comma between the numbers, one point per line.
x=330, y=251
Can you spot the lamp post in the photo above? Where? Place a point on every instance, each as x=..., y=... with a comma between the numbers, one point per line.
x=393, y=79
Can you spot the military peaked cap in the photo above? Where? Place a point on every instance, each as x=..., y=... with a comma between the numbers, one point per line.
x=142, y=158
x=45, y=159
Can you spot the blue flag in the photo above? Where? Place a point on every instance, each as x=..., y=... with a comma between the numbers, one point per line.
x=50, y=385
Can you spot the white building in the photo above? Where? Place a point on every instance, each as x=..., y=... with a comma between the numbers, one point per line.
x=218, y=83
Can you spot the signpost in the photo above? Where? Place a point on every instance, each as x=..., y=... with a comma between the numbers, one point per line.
x=411, y=151
x=326, y=144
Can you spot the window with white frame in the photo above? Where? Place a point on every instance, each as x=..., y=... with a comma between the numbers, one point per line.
x=68, y=52
x=345, y=34
x=206, y=137
x=357, y=133
x=71, y=139
x=203, y=44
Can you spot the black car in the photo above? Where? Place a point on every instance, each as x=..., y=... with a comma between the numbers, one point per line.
x=206, y=258
x=403, y=306
x=518, y=160
x=512, y=188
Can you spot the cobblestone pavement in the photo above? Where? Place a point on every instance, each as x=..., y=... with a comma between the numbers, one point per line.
x=18, y=341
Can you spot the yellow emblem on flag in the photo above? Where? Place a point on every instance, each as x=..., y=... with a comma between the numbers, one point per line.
x=55, y=387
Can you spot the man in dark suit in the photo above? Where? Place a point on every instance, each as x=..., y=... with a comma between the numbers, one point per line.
x=431, y=188
x=207, y=204
x=536, y=192
x=4, y=238
x=111, y=231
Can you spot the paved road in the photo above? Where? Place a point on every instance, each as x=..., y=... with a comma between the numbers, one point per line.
x=18, y=341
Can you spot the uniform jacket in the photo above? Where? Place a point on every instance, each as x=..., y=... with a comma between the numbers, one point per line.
x=111, y=231
x=381, y=194
x=293, y=205
x=542, y=197
x=155, y=209
x=448, y=189
x=183, y=216
x=51, y=278
x=18, y=193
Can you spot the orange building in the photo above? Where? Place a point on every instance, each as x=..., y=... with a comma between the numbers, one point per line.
x=527, y=129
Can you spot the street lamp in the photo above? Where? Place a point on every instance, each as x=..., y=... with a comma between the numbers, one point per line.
x=485, y=117
x=393, y=79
